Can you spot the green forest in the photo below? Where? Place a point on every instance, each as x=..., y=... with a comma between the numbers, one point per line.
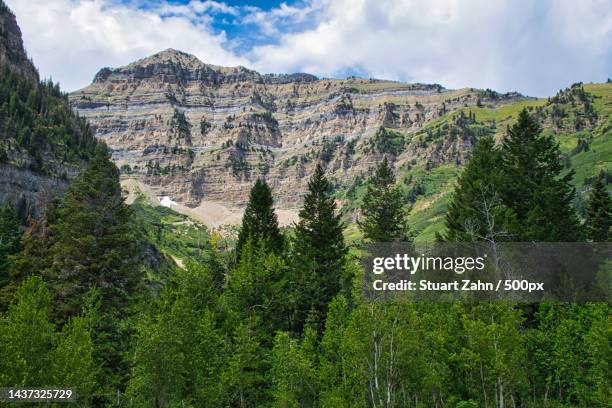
x=140, y=306
x=275, y=318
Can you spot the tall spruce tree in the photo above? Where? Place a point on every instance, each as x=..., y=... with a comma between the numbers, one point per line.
x=92, y=242
x=383, y=213
x=598, y=223
x=532, y=185
x=259, y=222
x=476, y=212
x=318, y=250
x=92, y=246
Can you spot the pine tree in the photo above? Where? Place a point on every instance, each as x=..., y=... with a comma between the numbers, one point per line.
x=318, y=250
x=256, y=288
x=9, y=245
x=383, y=214
x=259, y=222
x=532, y=185
x=598, y=223
x=92, y=242
x=92, y=246
x=476, y=212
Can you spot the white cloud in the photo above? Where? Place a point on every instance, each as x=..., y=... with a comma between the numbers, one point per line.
x=71, y=40
x=531, y=46
x=284, y=18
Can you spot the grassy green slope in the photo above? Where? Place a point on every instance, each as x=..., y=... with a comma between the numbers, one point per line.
x=175, y=235
x=427, y=215
x=572, y=128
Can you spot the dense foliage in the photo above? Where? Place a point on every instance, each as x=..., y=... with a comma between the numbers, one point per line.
x=598, y=223
x=260, y=224
x=515, y=192
x=38, y=120
x=318, y=251
x=383, y=217
x=283, y=323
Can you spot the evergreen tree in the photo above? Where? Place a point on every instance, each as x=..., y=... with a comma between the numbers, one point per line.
x=39, y=120
x=257, y=289
x=9, y=245
x=532, y=185
x=318, y=251
x=92, y=246
x=476, y=211
x=259, y=222
x=31, y=260
x=92, y=242
x=598, y=223
x=383, y=215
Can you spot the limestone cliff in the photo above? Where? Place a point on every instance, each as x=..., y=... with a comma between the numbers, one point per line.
x=202, y=133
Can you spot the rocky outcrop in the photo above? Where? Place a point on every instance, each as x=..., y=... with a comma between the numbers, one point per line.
x=37, y=153
x=12, y=53
x=28, y=191
x=198, y=132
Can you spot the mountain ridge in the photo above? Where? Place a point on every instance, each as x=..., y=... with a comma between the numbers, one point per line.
x=189, y=66
x=197, y=132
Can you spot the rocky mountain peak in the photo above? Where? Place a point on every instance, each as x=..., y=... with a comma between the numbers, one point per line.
x=170, y=56
x=173, y=66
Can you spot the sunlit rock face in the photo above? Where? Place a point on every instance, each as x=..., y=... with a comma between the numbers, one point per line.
x=198, y=133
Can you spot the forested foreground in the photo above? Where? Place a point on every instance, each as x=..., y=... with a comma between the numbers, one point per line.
x=276, y=319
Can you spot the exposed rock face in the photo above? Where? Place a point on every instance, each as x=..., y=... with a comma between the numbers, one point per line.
x=21, y=187
x=12, y=53
x=197, y=132
x=28, y=182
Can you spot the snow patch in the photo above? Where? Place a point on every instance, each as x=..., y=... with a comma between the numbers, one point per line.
x=166, y=201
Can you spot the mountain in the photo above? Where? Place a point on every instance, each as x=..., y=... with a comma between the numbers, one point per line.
x=43, y=143
x=201, y=134
x=12, y=53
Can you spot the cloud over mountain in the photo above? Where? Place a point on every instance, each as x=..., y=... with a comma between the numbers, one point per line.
x=531, y=46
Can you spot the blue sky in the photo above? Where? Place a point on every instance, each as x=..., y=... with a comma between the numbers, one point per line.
x=531, y=46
